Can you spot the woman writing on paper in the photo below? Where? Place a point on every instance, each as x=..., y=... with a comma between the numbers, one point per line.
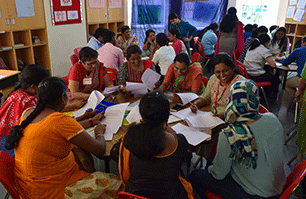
x=45, y=166
x=279, y=44
x=87, y=75
x=187, y=77
x=151, y=156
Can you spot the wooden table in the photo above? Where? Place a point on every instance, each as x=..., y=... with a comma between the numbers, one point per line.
x=120, y=98
x=8, y=78
x=285, y=69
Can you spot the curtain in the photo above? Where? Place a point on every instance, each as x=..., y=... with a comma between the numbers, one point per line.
x=149, y=14
x=202, y=13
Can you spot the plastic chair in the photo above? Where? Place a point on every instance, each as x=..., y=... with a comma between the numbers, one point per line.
x=125, y=195
x=263, y=109
x=7, y=174
x=205, y=80
x=195, y=57
x=65, y=80
x=112, y=74
x=198, y=47
x=75, y=57
x=244, y=72
x=236, y=56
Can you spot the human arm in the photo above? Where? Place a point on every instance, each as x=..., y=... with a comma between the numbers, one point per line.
x=152, y=55
x=74, y=90
x=196, y=84
x=169, y=78
x=91, y=121
x=270, y=62
x=221, y=163
x=300, y=91
x=291, y=58
x=95, y=145
x=192, y=30
x=198, y=103
x=107, y=82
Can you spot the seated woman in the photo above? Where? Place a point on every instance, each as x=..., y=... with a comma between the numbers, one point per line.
x=279, y=45
x=149, y=42
x=126, y=40
x=22, y=97
x=132, y=70
x=255, y=59
x=178, y=44
x=248, y=163
x=87, y=75
x=209, y=39
x=151, y=154
x=219, y=84
x=185, y=76
x=45, y=166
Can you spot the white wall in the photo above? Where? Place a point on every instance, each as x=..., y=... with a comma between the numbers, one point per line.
x=62, y=40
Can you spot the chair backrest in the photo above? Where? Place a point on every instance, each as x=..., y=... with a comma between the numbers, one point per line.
x=7, y=174
x=125, y=195
x=236, y=55
x=198, y=47
x=242, y=69
x=263, y=109
x=294, y=179
x=76, y=51
x=195, y=57
x=205, y=80
x=74, y=59
x=112, y=74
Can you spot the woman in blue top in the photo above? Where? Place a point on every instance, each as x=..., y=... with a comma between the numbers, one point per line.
x=209, y=39
x=187, y=30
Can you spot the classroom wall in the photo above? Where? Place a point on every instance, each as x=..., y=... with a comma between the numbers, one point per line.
x=62, y=40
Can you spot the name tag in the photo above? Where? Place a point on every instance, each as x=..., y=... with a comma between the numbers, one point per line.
x=87, y=81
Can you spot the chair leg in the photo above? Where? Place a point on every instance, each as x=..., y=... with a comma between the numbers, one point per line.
x=265, y=97
x=291, y=136
x=206, y=64
x=197, y=162
x=292, y=159
x=7, y=196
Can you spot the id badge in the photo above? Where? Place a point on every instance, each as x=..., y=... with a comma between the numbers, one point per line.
x=87, y=81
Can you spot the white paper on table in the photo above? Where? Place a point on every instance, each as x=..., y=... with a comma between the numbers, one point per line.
x=186, y=113
x=110, y=90
x=301, y=4
x=293, y=2
x=193, y=136
x=299, y=15
x=94, y=99
x=187, y=97
x=134, y=115
x=205, y=120
x=150, y=77
x=290, y=11
x=131, y=106
x=113, y=119
x=136, y=88
x=173, y=118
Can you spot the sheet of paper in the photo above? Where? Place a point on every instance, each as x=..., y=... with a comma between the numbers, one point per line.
x=204, y=120
x=113, y=119
x=193, y=136
x=290, y=11
x=301, y=4
x=136, y=88
x=186, y=113
x=110, y=90
x=131, y=106
x=134, y=115
x=293, y=2
x=150, y=77
x=299, y=15
x=173, y=118
x=25, y=8
x=187, y=97
x=2, y=76
x=94, y=99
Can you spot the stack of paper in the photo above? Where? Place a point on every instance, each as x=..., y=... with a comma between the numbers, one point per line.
x=187, y=97
x=134, y=115
x=136, y=88
x=193, y=136
x=110, y=90
x=200, y=120
x=94, y=99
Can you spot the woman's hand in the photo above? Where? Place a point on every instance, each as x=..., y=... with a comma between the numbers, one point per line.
x=219, y=116
x=156, y=85
x=186, y=39
x=193, y=108
x=100, y=129
x=170, y=130
x=98, y=118
x=175, y=98
x=298, y=97
x=89, y=113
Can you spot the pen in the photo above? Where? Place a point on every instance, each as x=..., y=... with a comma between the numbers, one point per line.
x=84, y=100
x=192, y=104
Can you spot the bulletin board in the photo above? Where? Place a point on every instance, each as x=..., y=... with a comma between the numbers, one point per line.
x=296, y=11
x=65, y=12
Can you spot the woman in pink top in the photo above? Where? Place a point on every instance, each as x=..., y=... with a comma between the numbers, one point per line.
x=178, y=44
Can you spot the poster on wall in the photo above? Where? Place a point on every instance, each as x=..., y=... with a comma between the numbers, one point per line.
x=25, y=8
x=115, y=3
x=65, y=12
x=253, y=14
x=96, y=3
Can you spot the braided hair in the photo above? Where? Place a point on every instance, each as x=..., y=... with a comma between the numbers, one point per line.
x=49, y=92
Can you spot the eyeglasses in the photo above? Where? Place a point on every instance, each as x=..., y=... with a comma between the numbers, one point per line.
x=134, y=59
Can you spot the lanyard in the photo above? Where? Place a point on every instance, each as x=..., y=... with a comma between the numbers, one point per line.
x=178, y=79
x=217, y=100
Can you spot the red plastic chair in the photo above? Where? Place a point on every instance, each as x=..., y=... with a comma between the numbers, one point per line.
x=65, y=80
x=195, y=57
x=205, y=80
x=75, y=57
x=236, y=56
x=263, y=109
x=244, y=72
x=7, y=174
x=112, y=75
x=198, y=47
x=125, y=195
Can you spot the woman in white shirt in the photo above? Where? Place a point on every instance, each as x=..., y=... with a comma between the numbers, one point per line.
x=255, y=59
x=279, y=45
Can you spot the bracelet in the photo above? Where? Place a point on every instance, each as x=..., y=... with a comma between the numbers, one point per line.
x=98, y=135
x=91, y=122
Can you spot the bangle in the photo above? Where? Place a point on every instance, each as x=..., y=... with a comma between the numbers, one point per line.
x=91, y=122
x=98, y=135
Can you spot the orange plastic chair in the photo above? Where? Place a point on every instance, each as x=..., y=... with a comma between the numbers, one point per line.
x=125, y=195
x=7, y=174
x=195, y=57
x=112, y=74
x=244, y=72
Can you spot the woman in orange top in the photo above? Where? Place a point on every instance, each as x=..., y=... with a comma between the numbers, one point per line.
x=44, y=163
